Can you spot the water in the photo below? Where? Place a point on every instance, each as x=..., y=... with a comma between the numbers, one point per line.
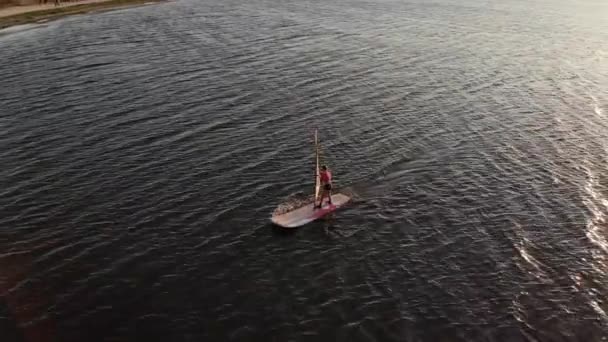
x=143, y=151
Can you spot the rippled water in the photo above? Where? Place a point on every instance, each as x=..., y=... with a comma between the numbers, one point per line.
x=143, y=151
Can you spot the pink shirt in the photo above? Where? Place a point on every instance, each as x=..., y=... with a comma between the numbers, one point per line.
x=325, y=177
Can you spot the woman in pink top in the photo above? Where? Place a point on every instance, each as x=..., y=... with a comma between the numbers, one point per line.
x=325, y=177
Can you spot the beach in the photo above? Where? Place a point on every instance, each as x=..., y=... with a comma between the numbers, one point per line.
x=18, y=15
x=14, y=10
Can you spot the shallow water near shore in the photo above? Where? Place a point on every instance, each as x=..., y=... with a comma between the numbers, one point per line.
x=144, y=150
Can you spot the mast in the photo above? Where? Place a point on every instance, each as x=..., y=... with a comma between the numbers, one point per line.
x=317, y=179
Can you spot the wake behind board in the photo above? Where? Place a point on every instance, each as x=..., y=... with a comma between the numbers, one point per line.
x=307, y=214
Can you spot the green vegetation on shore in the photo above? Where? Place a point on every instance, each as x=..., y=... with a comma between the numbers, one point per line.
x=58, y=12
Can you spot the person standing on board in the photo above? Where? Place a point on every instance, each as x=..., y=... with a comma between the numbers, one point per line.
x=325, y=177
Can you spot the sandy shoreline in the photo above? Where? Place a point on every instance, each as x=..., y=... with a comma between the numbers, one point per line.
x=18, y=15
x=14, y=10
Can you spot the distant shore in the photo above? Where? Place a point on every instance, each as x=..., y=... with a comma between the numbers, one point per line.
x=18, y=15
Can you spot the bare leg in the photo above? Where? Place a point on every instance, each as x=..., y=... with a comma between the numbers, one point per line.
x=320, y=200
x=326, y=193
x=323, y=193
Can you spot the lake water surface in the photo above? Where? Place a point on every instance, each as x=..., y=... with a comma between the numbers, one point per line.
x=143, y=151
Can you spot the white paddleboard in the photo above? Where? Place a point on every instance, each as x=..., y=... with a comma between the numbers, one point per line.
x=307, y=214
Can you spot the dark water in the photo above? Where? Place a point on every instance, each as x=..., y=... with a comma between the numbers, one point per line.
x=143, y=150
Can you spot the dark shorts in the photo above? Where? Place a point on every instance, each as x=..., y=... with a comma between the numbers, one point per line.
x=327, y=187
